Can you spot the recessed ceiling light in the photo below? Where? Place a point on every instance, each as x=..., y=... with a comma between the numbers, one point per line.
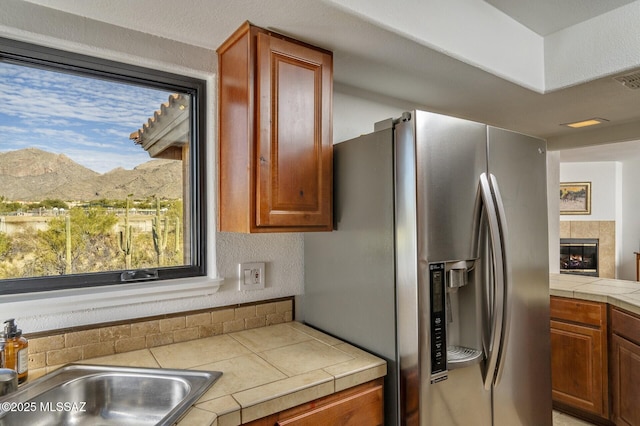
x=585, y=123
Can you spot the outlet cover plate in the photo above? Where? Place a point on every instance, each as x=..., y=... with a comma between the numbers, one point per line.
x=251, y=276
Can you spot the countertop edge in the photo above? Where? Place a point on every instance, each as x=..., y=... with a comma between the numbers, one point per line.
x=619, y=293
x=252, y=404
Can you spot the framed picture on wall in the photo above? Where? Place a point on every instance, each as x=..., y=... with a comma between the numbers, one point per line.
x=575, y=198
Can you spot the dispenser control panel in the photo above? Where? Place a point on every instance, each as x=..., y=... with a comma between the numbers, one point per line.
x=438, y=320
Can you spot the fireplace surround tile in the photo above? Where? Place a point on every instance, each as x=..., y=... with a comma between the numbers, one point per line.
x=585, y=229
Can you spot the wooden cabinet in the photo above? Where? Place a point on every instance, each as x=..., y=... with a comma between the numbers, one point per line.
x=360, y=405
x=625, y=367
x=579, y=356
x=274, y=134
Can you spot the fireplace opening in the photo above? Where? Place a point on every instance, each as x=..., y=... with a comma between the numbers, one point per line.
x=579, y=256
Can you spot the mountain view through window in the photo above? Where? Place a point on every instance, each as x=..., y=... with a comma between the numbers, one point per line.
x=94, y=175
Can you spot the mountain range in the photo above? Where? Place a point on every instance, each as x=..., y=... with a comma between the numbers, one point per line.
x=34, y=175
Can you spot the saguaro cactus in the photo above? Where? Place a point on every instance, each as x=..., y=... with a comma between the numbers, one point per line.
x=160, y=232
x=67, y=229
x=177, y=241
x=125, y=238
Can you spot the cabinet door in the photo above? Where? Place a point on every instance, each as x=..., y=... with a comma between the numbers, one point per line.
x=360, y=405
x=294, y=139
x=578, y=367
x=625, y=381
x=362, y=408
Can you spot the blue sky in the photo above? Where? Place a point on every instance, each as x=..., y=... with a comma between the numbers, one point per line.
x=88, y=120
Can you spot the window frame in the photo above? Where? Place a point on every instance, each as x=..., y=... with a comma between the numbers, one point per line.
x=29, y=54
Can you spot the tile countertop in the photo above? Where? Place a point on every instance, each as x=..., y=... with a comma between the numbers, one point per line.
x=265, y=370
x=623, y=294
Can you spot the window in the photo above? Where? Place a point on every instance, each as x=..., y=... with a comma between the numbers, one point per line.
x=101, y=172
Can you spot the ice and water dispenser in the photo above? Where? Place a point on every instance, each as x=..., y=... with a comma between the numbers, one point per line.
x=455, y=317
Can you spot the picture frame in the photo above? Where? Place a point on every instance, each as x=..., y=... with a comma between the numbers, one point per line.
x=575, y=198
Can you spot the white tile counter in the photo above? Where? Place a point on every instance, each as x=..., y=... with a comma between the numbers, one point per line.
x=265, y=370
x=620, y=293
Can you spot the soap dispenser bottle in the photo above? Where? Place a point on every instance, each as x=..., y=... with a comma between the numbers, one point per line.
x=16, y=350
x=2, y=352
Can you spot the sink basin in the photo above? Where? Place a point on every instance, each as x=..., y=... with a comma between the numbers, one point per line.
x=95, y=395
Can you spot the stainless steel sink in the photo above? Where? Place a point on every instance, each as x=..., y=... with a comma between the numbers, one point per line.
x=106, y=395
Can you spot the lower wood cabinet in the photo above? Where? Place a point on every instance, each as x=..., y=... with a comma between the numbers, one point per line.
x=579, y=356
x=595, y=361
x=360, y=405
x=625, y=368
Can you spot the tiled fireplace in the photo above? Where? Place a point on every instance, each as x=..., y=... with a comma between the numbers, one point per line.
x=602, y=232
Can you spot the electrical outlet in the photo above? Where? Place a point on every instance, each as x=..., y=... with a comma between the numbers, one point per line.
x=251, y=276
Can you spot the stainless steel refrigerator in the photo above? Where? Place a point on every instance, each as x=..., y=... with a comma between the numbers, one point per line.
x=438, y=263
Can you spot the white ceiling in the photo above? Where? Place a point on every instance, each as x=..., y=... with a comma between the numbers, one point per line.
x=610, y=152
x=380, y=56
x=548, y=16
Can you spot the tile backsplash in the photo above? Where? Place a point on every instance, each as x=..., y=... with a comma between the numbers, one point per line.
x=49, y=350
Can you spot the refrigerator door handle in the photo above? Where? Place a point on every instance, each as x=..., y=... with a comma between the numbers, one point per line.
x=491, y=215
x=506, y=278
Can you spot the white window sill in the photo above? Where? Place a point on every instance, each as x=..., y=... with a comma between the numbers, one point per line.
x=81, y=306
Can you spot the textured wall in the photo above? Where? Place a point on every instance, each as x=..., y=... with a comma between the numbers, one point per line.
x=282, y=253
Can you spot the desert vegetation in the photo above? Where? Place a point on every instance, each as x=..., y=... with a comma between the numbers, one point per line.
x=84, y=237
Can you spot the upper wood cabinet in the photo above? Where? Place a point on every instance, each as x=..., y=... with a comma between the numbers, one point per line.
x=275, y=134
